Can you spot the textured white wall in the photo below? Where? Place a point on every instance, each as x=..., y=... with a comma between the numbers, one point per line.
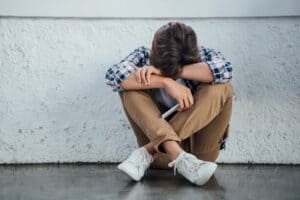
x=55, y=106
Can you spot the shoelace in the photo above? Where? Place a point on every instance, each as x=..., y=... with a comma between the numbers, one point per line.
x=189, y=165
x=173, y=163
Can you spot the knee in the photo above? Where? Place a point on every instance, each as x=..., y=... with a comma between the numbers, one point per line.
x=223, y=91
x=129, y=95
x=229, y=90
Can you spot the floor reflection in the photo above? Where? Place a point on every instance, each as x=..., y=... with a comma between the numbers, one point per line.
x=105, y=181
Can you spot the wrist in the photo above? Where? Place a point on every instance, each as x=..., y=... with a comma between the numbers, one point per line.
x=166, y=81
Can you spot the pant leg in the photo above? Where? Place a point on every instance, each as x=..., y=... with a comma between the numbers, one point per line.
x=206, y=143
x=206, y=123
x=141, y=138
x=209, y=101
x=162, y=160
x=143, y=111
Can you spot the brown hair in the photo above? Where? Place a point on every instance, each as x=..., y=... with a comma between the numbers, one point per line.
x=174, y=45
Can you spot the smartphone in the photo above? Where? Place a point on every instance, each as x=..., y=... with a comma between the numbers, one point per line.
x=170, y=111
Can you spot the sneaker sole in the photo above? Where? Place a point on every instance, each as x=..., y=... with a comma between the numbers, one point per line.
x=128, y=171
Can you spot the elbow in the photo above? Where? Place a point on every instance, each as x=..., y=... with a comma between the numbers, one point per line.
x=109, y=74
x=227, y=72
x=223, y=77
x=227, y=76
x=228, y=69
x=111, y=80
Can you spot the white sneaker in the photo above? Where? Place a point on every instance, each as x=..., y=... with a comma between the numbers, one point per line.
x=195, y=170
x=137, y=163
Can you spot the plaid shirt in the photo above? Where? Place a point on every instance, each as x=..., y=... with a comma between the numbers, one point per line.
x=220, y=67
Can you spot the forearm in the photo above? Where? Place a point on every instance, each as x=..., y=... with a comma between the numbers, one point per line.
x=130, y=83
x=197, y=72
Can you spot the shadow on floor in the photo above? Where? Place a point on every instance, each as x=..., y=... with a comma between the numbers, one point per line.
x=105, y=181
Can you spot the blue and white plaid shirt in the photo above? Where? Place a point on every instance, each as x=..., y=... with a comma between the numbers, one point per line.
x=220, y=67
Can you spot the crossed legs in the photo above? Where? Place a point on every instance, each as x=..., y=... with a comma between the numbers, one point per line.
x=198, y=130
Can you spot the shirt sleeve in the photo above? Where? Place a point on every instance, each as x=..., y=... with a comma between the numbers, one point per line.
x=219, y=66
x=116, y=73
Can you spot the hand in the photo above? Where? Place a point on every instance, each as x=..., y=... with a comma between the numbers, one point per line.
x=143, y=74
x=179, y=92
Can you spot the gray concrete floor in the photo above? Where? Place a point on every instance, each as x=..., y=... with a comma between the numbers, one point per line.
x=105, y=181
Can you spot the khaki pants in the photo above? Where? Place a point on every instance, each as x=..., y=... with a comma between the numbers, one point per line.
x=199, y=130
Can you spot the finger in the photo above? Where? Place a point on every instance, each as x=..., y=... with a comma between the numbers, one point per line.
x=191, y=100
x=186, y=103
x=138, y=76
x=141, y=76
x=143, y=72
x=181, y=105
x=148, y=74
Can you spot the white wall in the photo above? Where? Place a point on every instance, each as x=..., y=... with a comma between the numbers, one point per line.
x=55, y=106
x=149, y=8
